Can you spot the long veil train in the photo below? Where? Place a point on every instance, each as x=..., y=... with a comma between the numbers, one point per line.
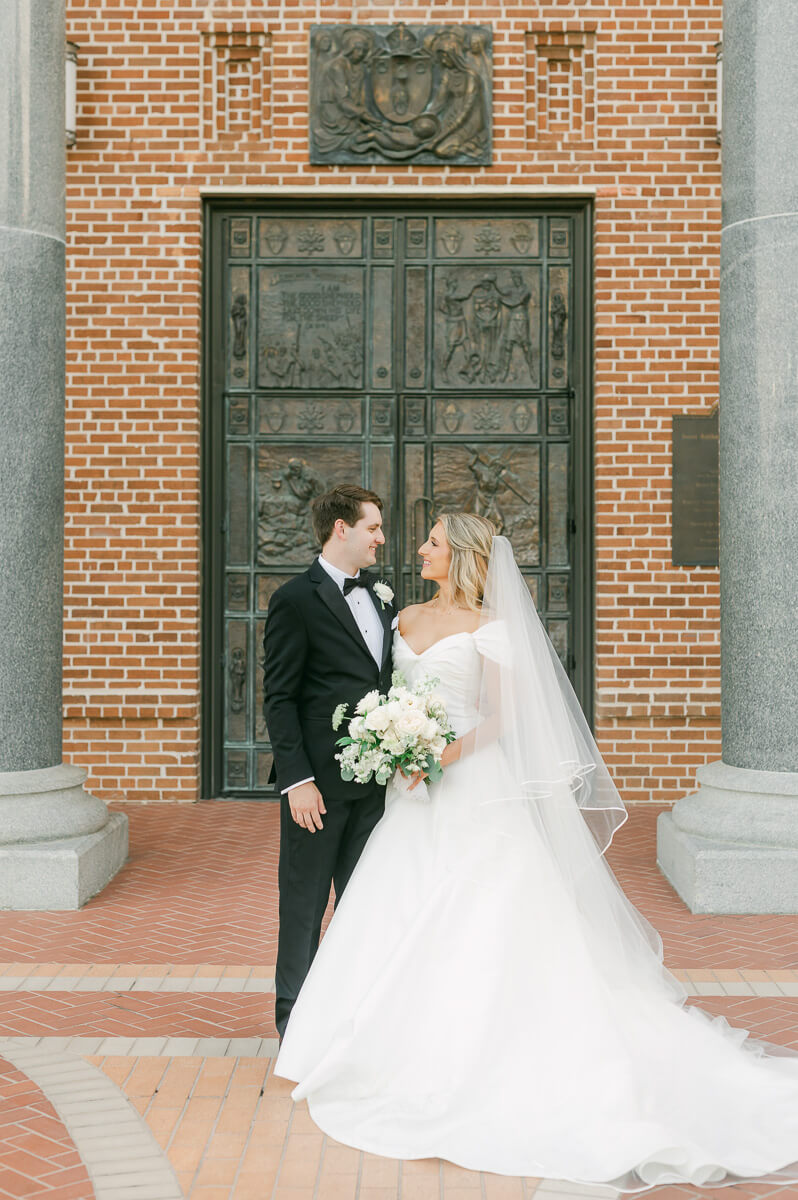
x=554, y=767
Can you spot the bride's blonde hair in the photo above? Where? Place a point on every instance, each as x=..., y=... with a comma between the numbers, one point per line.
x=470, y=538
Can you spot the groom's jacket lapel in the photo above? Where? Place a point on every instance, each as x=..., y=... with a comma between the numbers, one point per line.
x=331, y=594
x=386, y=612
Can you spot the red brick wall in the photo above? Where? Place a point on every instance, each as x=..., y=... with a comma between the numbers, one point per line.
x=177, y=97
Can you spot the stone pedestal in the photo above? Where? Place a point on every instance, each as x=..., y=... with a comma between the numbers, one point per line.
x=733, y=845
x=57, y=845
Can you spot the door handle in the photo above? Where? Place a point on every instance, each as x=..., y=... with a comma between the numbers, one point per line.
x=414, y=576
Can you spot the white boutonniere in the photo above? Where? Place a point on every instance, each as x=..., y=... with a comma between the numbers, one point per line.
x=383, y=593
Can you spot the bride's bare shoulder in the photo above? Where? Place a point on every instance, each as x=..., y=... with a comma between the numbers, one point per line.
x=408, y=617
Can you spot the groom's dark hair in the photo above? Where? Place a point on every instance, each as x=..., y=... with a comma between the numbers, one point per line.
x=344, y=503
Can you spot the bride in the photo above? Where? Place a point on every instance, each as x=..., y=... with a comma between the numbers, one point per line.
x=485, y=992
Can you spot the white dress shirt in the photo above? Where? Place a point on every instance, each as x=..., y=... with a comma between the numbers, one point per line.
x=363, y=609
x=368, y=622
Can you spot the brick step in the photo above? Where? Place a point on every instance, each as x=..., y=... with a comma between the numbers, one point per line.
x=198, y=977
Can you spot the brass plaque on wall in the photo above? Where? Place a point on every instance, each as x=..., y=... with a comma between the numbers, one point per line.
x=695, y=489
x=401, y=93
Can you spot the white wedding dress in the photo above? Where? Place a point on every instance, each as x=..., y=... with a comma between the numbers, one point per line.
x=468, y=1002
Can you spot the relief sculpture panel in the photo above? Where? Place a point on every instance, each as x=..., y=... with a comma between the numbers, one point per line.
x=400, y=93
x=238, y=328
x=310, y=327
x=487, y=327
x=481, y=416
x=300, y=415
x=506, y=237
x=289, y=479
x=558, y=326
x=500, y=481
x=307, y=237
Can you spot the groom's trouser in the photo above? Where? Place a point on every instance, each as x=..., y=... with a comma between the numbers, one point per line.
x=309, y=864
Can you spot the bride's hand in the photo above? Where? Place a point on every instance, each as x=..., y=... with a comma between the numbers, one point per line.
x=450, y=755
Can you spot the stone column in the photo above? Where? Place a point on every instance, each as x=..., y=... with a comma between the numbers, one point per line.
x=58, y=846
x=732, y=847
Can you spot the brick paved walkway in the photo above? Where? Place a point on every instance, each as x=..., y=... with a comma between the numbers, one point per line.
x=147, y=1019
x=200, y=887
x=37, y=1155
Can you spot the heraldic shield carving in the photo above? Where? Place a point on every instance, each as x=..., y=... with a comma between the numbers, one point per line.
x=400, y=93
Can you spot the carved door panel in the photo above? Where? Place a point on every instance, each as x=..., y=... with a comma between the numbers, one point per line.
x=433, y=357
x=487, y=329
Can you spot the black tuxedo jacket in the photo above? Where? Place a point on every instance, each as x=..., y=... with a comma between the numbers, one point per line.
x=316, y=658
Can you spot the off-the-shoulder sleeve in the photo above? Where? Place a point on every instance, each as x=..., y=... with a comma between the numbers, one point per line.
x=492, y=641
x=395, y=622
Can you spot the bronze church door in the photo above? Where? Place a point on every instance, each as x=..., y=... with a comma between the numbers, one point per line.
x=438, y=356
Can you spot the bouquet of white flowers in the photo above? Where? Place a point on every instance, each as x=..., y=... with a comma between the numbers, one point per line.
x=408, y=728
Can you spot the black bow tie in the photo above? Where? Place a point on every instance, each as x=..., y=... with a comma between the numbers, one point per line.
x=349, y=584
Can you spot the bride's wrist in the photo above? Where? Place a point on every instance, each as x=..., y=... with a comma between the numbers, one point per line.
x=452, y=752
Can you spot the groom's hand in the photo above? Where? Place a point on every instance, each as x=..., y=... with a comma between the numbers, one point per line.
x=307, y=805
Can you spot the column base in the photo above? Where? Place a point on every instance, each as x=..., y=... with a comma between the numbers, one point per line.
x=732, y=846
x=63, y=873
x=48, y=803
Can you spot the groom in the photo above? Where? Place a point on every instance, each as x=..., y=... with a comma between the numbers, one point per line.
x=327, y=642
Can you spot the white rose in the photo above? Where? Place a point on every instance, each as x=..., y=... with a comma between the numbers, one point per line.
x=410, y=723
x=357, y=727
x=383, y=593
x=378, y=719
x=368, y=702
x=431, y=730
